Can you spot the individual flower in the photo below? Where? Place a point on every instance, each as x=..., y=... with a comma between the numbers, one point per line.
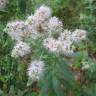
x=79, y=35
x=66, y=46
x=15, y=24
x=16, y=30
x=31, y=20
x=35, y=69
x=42, y=14
x=31, y=27
x=51, y=44
x=31, y=31
x=65, y=35
x=53, y=26
x=66, y=41
x=20, y=49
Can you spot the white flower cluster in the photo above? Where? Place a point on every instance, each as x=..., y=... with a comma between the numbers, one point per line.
x=35, y=69
x=20, y=49
x=54, y=25
x=42, y=14
x=57, y=46
x=18, y=30
x=65, y=41
x=15, y=30
x=42, y=20
x=3, y=3
x=79, y=35
x=51, y=44
x=75, y=36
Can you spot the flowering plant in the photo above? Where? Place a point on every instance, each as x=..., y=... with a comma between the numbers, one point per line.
x=52, y=49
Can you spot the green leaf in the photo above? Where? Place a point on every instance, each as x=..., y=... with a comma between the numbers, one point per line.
x=3, y=12
x=57, y=87
x=29, y=82
x=65, y=71
x=1, y=92
x=91, y=90
x=12, y=91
